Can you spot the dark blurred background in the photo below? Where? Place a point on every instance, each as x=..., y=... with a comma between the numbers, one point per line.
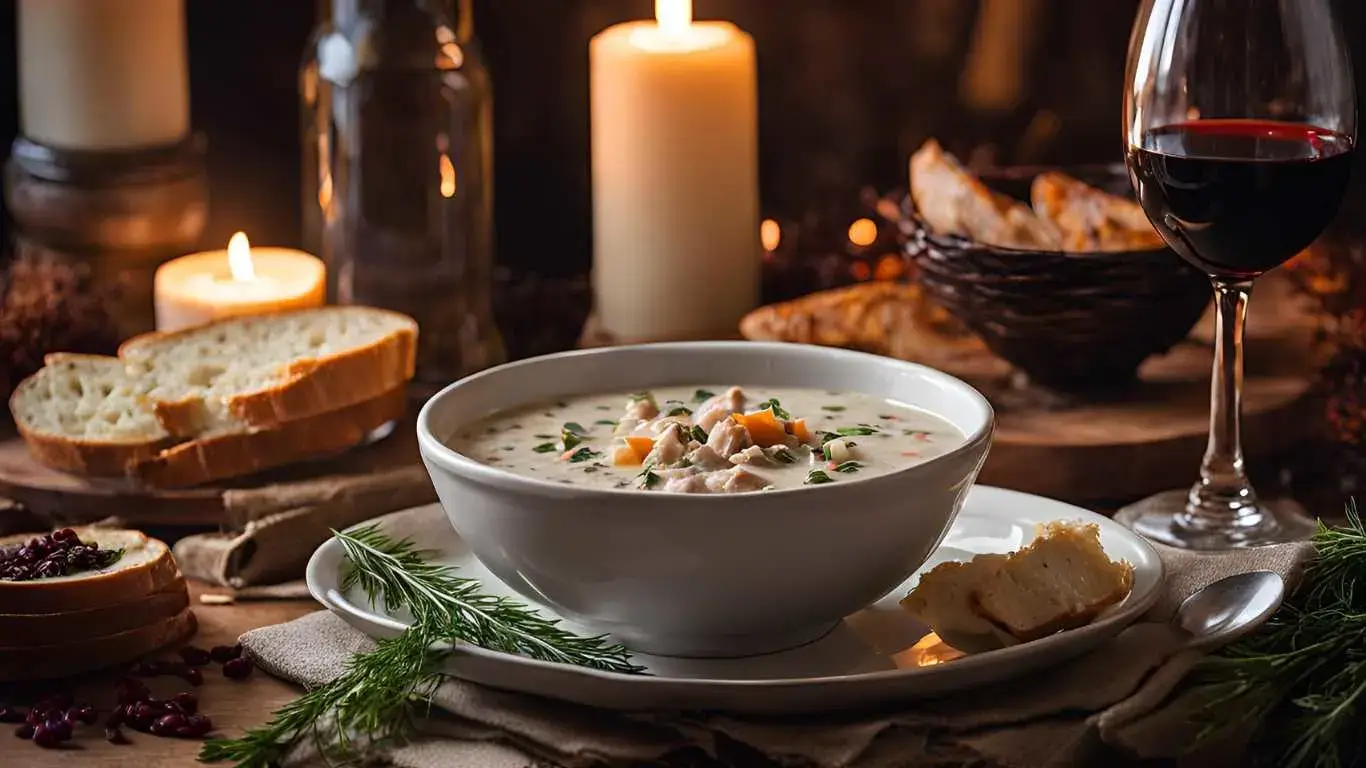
x=848, y=89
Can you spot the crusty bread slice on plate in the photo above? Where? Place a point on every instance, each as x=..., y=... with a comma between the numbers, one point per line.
x=236, y=454
x=146, y=567
x=84, y=414
x=36, y=629
x=261, y=371
x=90, y=653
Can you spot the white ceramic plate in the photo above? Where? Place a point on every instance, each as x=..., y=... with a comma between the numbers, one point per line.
x=861, y=663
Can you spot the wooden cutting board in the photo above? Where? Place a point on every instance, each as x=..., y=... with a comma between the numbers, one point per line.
x=71, y=499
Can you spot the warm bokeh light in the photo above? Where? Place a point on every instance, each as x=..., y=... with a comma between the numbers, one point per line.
x=863, y=232
x=239, y=258
x=889, y=268
x=929, y=651
x=770, y=235
x=447, y=176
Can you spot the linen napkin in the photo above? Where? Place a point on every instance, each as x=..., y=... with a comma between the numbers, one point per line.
x=1077, y=714
x=274, y=529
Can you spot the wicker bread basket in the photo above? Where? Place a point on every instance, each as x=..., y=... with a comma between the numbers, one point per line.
x=1072, y=322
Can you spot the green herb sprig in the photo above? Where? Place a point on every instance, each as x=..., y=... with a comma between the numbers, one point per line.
x=376, y=697
x=1299, y=682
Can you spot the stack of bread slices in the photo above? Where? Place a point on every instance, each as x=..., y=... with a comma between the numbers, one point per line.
x=221, y=400
x=86, y=620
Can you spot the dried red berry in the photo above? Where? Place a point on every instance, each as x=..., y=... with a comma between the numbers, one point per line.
x=12, y=715
x=192, y=676
x=85, y=713
x=196, y=726
x=61, y=728
x=238, y=669
x=225, y=653
x=65, y=536
x=186, y=702
x=24, y=731
x=36, y=716
x=47, y=737
x=195, y=657
x=167, y=725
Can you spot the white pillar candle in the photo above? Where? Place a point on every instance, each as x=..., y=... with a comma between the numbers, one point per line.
x=103, y=74
x=675, y=177
x=194, y=289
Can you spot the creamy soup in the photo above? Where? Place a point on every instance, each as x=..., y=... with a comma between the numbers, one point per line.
x=709, y=439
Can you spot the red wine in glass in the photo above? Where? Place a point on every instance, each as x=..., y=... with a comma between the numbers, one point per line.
x=1237, y=198
x=1240, y=120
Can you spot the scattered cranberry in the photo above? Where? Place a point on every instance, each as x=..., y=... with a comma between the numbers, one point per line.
x=36, y=716
x=56, y=554
x=85, y=714
x=195, y=727
x=238, y=669
x=225, y=653
x=195, y=657
x=167, y=725
x=186, y=702
x=61, y=729
x=192, y=676
x=24, y=731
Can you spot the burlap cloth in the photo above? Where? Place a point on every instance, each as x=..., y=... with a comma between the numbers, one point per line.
x=274, y=529
x=1116, y=701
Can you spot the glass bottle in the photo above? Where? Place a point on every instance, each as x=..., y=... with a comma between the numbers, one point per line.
x=398, y=172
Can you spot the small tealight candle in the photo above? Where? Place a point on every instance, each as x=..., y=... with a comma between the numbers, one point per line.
x=194, y=289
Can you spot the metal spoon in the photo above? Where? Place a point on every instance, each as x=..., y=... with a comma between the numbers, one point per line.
x=1229, y=608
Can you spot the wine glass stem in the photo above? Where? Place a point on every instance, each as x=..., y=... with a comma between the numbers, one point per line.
x=1224, y=497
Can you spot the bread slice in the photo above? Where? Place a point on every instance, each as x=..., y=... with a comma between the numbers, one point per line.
x=91, y=653
x=884, y=318
x=261, y=371
x=38, y=629
x=945, y=601
x=236, y=454
x=85, y=414
x=145, y=568
x=1062, y=580
x=953, y=201
x=1089, y=219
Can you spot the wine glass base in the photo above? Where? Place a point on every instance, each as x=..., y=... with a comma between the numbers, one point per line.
x=1162, y=518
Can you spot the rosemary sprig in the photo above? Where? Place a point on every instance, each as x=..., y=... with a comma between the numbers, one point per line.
x=374, y=699
x=1299, y=683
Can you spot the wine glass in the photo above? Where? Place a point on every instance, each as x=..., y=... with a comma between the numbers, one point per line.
x=1240, y=125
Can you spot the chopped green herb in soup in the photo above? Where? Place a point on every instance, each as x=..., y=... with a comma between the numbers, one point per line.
x=709, y=439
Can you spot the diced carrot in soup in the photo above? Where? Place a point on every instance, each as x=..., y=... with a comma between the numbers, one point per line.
x=633, y=451
x=763, y=427
x=801, y=431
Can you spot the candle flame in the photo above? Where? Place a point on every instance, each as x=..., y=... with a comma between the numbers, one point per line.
x=674, y=16
x=447, y=176
x=770, y=235
x=239, y=258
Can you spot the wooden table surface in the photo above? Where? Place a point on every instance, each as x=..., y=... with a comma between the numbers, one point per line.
x=231, y=705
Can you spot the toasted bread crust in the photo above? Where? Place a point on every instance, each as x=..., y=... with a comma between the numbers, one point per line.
x=310, y=386
x=99, y=589
x=91, y=653
x=87, y=457
x=232, y=455
x=38, y=629
x=1090, y=219
x=954, y=202
x=884, y=318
